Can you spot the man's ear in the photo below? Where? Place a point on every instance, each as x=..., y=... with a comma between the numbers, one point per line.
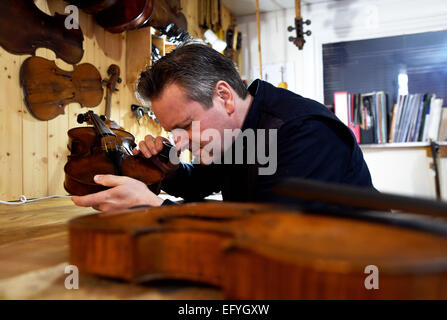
x=224, y=93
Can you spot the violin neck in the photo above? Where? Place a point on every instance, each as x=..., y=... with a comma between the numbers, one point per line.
x=101, y=128
x=108, y=103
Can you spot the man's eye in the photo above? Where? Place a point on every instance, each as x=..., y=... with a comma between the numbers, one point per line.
x=187, y=126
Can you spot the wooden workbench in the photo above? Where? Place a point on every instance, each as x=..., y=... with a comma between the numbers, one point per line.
x=34, y=254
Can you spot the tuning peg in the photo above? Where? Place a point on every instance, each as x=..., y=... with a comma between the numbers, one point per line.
x=82, y=118
x=308, y=22
x=290, y=28
x=308, y=33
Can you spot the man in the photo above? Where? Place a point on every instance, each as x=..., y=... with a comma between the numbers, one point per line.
x=195, y=86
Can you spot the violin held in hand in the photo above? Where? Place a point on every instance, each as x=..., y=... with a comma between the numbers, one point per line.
x=101, y=150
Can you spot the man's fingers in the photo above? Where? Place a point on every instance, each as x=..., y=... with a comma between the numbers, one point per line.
x=136, y=151
x=159, y=144
x=144, y=149
x=150, y=144
x=91, y=200
x=110, y=180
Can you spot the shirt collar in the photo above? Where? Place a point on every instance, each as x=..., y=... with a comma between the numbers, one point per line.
x=256, y=89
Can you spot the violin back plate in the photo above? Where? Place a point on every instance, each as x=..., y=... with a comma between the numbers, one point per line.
x=48, y=89
x=125, y=15
x=253, y=251
x=24, y=28
x=93, y=6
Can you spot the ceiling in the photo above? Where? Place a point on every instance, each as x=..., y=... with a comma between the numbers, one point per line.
x=247, y=7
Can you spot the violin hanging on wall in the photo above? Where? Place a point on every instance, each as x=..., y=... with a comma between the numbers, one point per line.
x=117, y=16
x=24, y=28
x=167, y=16
x=111, y=86
x=48, y=89
x=125, y=15
x=93, y=6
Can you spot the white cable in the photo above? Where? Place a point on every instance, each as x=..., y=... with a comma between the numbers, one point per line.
x=24, y=200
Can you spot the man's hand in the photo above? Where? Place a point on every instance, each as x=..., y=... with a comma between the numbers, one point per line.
x=150, y=146
x=125, y=193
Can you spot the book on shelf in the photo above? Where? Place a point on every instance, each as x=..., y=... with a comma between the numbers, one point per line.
x=367, y=115
x=418, y=118
x=344, y=110
x=414, y=117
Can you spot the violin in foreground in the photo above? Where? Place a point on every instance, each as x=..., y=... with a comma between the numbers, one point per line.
x=101, y=150
x=262, y=251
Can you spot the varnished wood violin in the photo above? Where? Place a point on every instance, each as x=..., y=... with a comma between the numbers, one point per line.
x=101, y=150
x=48, y=89
x=24, y=28
x=262, y=251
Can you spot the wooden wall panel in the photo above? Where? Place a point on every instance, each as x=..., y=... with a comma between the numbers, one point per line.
x=11, y=114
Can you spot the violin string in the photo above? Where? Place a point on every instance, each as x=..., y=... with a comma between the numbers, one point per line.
x=23, y=200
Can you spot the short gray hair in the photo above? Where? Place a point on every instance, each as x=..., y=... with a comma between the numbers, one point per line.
x=196, y=68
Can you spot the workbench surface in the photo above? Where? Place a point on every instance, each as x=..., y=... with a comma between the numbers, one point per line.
x=34, y=254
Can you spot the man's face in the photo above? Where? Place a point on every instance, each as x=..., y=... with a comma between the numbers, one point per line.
x=177, y=113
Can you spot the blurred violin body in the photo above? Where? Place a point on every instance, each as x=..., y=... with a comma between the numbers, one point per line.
x=93, y=6
x=101, y=150
x=48, y=89
x=24, y=28
x=167, y=15
x=261, y=251
x=125, y=15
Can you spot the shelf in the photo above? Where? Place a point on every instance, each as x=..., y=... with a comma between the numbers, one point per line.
x=400, y=145
x=138, y=53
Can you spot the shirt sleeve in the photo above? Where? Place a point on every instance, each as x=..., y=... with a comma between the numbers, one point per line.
x=193, y=182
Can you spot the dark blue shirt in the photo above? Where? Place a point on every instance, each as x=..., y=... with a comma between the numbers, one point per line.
x=311, y=143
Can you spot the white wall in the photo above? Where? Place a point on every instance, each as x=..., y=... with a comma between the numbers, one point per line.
x=406, y=171
x=332, y=21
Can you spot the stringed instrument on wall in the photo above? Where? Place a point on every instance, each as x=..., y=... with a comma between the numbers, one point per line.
x=262, y=251
x=48, y=89
x=298, y=27
x=167, y=16
x=125, y=15
x=24, y=28
x=93, y=6
x=111, y=87
x=117, y=16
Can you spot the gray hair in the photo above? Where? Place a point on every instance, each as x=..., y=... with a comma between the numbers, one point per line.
x=196, y=68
